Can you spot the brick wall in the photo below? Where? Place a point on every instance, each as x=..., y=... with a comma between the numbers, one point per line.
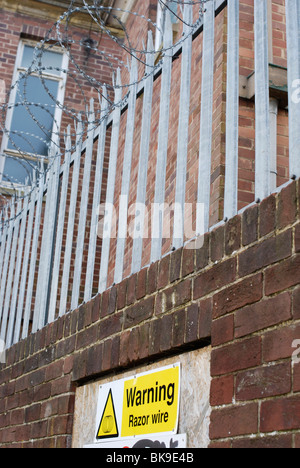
x=255, y=388
x=240, y=292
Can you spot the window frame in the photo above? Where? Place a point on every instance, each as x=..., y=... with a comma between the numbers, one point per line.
x=18, y=70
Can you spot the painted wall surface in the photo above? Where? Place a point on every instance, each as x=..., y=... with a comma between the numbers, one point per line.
x=194, y=410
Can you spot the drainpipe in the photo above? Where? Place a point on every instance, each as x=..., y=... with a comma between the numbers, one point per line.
x=273, y=142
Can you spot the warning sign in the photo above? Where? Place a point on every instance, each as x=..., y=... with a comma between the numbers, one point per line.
x=151, y=403
x=108, y=425
x=147, y=403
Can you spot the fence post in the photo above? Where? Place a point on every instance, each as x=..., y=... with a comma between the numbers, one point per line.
x=5, y=224
x=293, y=58
x=206, y=116
x=110, y=192
x=139, y=221
x=162, y=149
x=232, y=111
x=60, y=227
x=183, y=128
x=7, y=254
x=16, y=279
x=47, y=245
x=71, y=220
x=33, y=257
x=16, y=224
x=96, y=198
x=23, y=282
x=83, y=207
x=262, y=103
x=123, y=205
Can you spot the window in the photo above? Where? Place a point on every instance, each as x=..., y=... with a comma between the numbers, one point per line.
x=162, y=7
x=33, y=116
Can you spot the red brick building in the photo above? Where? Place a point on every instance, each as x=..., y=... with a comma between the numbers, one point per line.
x=71, y=52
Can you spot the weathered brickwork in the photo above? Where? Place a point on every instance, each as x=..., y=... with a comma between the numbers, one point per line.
x=244, y=300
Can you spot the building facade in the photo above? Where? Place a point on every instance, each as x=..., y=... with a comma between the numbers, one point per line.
x=56, y=82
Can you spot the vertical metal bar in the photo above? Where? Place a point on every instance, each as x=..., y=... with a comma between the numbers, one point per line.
x=232, y=111
x=23, y=282
x=293, y=61
x=164, y=114
x=96, y=198
x=50, y=240
x=273, y=106
x=183, y=129
x=10, y=271
x=123, y=204
x=298, y=15
x=16, y=280
x=60, y=228
x=270, y=30
x=83, y=207
x=206, y=117
x=143, y=160
x=47, y=247
x=7, y=254
x=5, y=224
x=43, y=253
x=262, y=117
x=33, y=257
x=108, y=217
x=71, y=220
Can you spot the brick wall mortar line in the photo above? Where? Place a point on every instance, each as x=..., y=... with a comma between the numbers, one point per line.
x=257, y=333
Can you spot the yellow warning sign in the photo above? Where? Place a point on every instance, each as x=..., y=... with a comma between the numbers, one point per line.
x=108, y=426
x=151, y=403
x=144, y=404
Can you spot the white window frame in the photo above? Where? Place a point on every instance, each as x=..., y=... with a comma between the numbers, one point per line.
x=18, y=70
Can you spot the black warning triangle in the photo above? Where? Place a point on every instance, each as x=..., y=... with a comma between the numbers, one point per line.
x=108, y=426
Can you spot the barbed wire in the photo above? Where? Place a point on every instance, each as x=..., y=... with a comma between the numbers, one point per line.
x=21, y=147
